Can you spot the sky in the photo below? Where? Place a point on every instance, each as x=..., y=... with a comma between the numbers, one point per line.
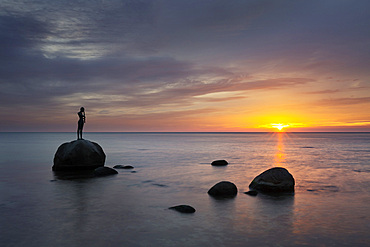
x=185, y=65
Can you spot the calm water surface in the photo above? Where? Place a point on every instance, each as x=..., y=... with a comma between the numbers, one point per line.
x=330, y=206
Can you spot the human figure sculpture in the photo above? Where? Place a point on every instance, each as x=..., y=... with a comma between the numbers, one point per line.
x=81, y=122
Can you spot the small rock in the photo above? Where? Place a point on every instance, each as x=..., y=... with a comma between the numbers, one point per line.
x=251, y=193
x=223, y=189
x=160, y=185
x=219, y=163
x=183, y=209
x=104, y=171
x=122, y=167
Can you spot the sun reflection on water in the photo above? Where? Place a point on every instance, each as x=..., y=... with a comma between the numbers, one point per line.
x=280, y=153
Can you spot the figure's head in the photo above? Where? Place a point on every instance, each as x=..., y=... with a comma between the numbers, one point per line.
x=82, y=109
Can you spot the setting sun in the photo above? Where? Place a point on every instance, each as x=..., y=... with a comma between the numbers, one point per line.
x=282, y=126
x=279, y=126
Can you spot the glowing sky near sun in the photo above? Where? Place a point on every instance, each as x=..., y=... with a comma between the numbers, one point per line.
x=192, y=65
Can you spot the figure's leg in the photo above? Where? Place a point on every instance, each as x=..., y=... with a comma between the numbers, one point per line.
x=82, y=126
x=79, y=130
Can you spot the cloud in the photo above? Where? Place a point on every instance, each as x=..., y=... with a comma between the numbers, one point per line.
x=329, y=91
x=158, y=56
x=143, y=81
x=344, y=101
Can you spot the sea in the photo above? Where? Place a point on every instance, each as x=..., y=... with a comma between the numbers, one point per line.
x=330, y=205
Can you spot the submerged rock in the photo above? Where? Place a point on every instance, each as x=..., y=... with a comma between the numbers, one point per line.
x=78, y=155
x=223, y=189
x=104, y=171
x=122, y=167
x=183, y=209
x=219, y=163
x=276, y=179
x=251, y=193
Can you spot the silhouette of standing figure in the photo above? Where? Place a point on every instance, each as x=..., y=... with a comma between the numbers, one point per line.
x=81, y=121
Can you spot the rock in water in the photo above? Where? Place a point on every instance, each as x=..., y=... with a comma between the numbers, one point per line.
x=219, y=163
x=78, y=155
x=183, y=209
x=223, y=189
x=104, y=171
x=122, y=167
x=276, y=179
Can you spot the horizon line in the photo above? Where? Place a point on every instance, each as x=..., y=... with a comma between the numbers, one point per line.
x=188, y=132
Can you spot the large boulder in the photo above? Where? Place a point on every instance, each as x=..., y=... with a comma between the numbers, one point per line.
x=223, y=189
x=276, y=179
x=78, y=155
